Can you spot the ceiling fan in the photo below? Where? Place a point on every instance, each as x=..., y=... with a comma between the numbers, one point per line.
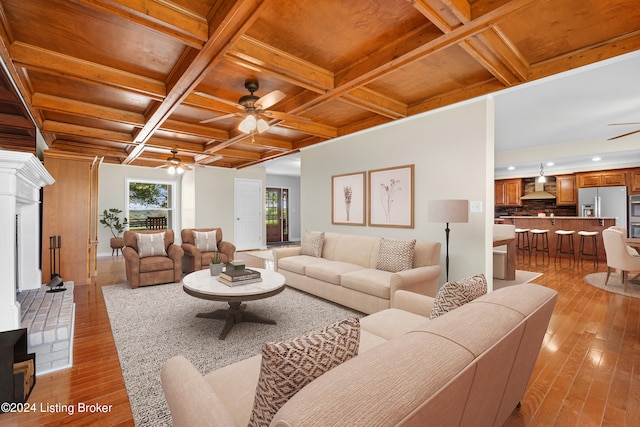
x=175, y=165
x=624, y=134
x=254, y=109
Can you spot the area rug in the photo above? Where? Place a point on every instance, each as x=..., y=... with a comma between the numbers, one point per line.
x=615, y=284
x=154, y=323
x=268, y=254
x=521, y=277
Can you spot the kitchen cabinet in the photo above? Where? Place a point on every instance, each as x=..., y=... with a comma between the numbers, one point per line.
x=634, y=181
x=602, y=179
x=566, y=191
x=508, y=192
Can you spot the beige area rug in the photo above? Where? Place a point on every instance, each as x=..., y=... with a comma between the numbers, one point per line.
x=615, y=284
x=268, y=254
x=521, y=277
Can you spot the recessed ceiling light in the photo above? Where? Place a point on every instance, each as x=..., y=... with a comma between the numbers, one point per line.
x=596, y=159
x=550, y=164
x=511, y=168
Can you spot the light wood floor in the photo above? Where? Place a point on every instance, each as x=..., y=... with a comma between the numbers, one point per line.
x=587, y=374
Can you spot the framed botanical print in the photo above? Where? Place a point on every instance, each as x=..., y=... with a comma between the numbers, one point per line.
x=391, y=197
x=348, y=199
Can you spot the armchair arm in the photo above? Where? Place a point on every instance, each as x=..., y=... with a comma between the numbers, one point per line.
x=175, y=252
x=227, y=248
x=191, y=401
x=283, y=253
x=421, y=280
x=132, y=266
x=191, y=249
x=413, y=302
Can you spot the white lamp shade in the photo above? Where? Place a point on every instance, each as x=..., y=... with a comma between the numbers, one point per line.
x=248, y=124
x=171, y=170
x=448, y=211
x=262, y=125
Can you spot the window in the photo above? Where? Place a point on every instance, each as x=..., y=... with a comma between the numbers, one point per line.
x=150, y=199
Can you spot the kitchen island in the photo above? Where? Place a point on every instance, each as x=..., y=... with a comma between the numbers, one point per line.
x=553, y=223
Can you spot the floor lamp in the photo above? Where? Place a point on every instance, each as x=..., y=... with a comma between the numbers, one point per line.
x=448, y=211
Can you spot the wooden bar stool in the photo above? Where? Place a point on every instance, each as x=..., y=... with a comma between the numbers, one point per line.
x=582, y=253
x=565, y=237
x=523, y=243
x=540, y=242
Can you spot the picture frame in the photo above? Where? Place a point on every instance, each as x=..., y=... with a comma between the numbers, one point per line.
x=348, y=199
x=391, y=197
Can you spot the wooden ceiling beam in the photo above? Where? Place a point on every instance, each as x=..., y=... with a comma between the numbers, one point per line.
x=163, y=16
x=46, y=61
x=80, y=147
x=206, y=101
x=496, y=40
x=273, y=143
x=84, y=131
x=84, y=109
x=311, y=128
x=486, y=56
x=174, y=144
x=452, y=97
x=376, y=102
x=17, y=121
x=240, y=154
x=194, y=129
x=442, y=17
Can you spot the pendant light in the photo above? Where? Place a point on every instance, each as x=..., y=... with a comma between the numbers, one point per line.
x=542, y=178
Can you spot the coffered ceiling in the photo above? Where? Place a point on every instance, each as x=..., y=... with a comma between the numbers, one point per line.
x=131, y=81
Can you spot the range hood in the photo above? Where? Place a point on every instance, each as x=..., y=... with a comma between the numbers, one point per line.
x=538, y=194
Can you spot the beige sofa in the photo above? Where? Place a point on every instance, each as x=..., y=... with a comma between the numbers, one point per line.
x=467, y=367
x=346, y=273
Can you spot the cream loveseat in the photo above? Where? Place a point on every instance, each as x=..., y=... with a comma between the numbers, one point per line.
x=346, y=272
x=467, y=367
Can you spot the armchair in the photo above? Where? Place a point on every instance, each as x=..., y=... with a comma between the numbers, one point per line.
x=196, y=258
x=619, y=255
x=145, y=268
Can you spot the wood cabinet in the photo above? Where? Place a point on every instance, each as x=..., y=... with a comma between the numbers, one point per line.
x=602, y=179
x=634, y=181
x=508, y=192
x=566, y=191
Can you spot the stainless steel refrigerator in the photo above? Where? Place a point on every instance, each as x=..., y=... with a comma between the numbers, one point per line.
x=610, y=202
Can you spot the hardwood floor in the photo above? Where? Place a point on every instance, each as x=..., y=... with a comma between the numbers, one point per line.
x=587, y=373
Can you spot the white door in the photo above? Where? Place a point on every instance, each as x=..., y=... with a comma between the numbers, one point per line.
x=248, y=213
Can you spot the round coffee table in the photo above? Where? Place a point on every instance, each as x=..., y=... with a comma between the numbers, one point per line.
x=201, y=284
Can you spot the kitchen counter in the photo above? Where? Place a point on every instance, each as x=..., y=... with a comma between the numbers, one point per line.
x=554, y=223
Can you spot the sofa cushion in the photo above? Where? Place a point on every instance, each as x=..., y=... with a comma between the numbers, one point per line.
x=312, y=243
x=391, y=323
x=298, y=264
x=455, y=294
x=151, y=244
x=369, y=281
x=395, y=255
x=330, y=271
x=206, y=241
x=288, y=366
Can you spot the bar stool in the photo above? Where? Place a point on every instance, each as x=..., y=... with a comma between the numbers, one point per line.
x=540, y=237
x=563, y=236
x=594, y=246
x=523, y=243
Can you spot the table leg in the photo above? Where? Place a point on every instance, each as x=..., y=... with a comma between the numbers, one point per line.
x=234, y=314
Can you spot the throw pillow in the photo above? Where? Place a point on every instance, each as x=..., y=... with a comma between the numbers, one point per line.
x=455, y=294
x=395, y=255
x=288, y=366
x=151, y=244
x=312, y=243
x=206, y=241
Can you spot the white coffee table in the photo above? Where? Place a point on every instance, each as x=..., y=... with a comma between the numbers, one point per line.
x=201, y=284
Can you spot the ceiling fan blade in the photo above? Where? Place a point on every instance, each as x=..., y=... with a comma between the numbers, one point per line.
x=624, y=124
x=270, y=99
x=623, y=135
x=285, y=116
x=215, y=119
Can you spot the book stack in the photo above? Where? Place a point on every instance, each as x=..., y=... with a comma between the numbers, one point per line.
x=239, y=277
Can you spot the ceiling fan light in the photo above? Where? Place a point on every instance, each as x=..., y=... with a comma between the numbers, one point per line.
x=248, y=124
x=262, y=125
x=180, y=170
x=171, y=170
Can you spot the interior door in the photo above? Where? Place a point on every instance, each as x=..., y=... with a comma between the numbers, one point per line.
x=248, y=214
x=273, y=215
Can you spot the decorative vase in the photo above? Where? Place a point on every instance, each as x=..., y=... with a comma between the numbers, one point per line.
x=116, y=243
x=216, y=269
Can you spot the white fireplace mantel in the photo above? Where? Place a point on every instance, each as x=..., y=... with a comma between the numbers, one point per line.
x=21, y=177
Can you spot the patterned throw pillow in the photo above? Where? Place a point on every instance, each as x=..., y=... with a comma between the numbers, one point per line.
x=206, y=241
x=395, y=255
x=290, y=365
x=150, y=244
x=312, y=243
x=455, y=294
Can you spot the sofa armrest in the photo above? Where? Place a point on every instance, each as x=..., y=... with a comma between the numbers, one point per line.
x=190, y=249
x=283, y=253
x=421, y=280
x=191, y=401
x=175, y=252
x=413, y=303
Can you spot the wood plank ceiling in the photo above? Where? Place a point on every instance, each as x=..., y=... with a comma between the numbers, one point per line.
x=133, y=80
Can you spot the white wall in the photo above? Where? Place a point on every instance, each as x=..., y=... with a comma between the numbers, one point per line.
x=452, y=150
x=293, y=184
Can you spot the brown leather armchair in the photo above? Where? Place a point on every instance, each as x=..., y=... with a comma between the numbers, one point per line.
x=152, y=270
x=194, y=259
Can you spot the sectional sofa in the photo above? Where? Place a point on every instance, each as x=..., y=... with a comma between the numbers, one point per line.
x=469, y=366
x=345, y=271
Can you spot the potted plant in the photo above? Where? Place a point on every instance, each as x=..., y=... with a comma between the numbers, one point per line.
x=215, y=267
x=111, y=220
